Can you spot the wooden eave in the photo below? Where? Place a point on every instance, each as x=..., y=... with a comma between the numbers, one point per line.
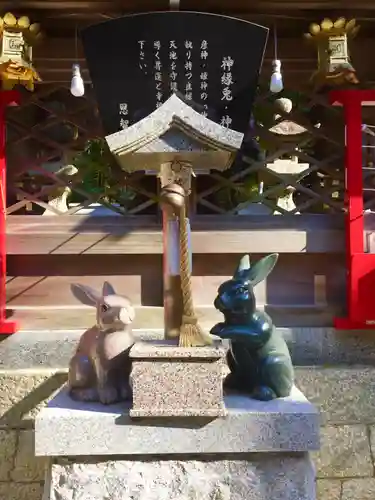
x=82, y=6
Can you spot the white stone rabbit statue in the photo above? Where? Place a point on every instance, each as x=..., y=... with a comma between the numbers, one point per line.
x=100, y=368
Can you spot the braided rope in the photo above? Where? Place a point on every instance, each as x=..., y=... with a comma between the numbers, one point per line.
x=191, y=334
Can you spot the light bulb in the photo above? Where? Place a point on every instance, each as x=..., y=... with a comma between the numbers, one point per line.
x=276, y=83
x=77, y=86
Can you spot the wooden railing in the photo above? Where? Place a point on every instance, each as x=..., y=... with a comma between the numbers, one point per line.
x=143, y=235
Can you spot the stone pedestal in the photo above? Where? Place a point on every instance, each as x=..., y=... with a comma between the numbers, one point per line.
x=172, y=381
x=260, y=451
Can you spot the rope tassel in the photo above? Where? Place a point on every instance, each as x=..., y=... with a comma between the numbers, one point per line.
x=191, y=333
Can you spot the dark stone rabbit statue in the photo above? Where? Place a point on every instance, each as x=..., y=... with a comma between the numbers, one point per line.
x=259, y=358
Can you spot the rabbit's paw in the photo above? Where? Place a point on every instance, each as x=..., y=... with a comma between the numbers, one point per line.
x=264, y=393
x=125, y=392
x=108, y=395
x=88, y=395
x=217, y=329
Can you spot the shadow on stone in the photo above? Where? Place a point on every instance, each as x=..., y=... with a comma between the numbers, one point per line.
x=175, y=422
x=28, y=403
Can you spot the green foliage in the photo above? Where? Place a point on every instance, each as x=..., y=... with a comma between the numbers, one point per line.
x=234, y=193
x=96, y=166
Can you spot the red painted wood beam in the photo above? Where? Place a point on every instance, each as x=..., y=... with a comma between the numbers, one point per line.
x=7, y=98
x=360, y=266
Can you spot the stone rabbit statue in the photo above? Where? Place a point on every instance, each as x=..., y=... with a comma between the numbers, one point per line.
x=259, y=358
x=100, y=368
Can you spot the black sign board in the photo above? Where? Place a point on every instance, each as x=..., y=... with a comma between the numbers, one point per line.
x=136, y=62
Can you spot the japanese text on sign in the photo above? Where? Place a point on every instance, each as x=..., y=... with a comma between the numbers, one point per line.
x=188, y=70
x=227, y=64
x=203, y=77
x=124, y=118
x=158, y=75
x=173, y=66
x=184, y=71
x=142, y=59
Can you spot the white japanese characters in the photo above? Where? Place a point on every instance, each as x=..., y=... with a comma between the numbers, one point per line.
x=177, y=75
x=227, y=78
x=204, y=50
x=226, y=121
x=142, y=55
x=124, y=115
x=203, y=77
x=173, y=74
x=188, y=66
x=227, y=82
x=158, y=75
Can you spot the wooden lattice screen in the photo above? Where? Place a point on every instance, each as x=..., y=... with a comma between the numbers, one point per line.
x=52, y=128
x=312, y=134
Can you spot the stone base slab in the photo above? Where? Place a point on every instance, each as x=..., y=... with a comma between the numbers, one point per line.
x=254, y=477
x=172, y=381
x=71, y=428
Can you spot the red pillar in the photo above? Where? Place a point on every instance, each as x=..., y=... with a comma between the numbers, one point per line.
x=359, y=265
x=7, y=98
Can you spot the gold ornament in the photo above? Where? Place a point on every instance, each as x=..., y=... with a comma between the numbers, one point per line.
x=331, y=39
x=18, y=37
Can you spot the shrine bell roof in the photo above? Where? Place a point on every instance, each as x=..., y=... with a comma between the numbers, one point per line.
x=175, y=114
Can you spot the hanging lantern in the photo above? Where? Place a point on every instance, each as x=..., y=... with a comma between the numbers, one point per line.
x=17, y=39
x=331, y=39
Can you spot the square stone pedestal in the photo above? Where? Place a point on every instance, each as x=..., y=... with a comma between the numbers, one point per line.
x=260, y=451
x=172, y=381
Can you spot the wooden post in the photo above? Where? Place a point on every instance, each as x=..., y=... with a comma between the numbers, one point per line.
x=170, y=173
x=7, y=98
x=172, y=297
x=354, y=195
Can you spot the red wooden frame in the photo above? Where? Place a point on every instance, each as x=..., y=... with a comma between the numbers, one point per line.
x=7, y=98
x=360, y=265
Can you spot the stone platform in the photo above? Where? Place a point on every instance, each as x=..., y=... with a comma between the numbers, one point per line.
x=259, y=451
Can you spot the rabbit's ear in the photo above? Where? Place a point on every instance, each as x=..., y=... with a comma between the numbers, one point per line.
x=127, y=314
x=85, y=294
x=262, y=268
x=108, y=289
x=243, y=268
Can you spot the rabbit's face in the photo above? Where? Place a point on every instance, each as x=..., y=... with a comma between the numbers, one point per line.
x=115, y=311
x=235, y=297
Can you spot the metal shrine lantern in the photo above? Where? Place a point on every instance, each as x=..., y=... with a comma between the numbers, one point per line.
x=331, y=40
x=18, y=36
